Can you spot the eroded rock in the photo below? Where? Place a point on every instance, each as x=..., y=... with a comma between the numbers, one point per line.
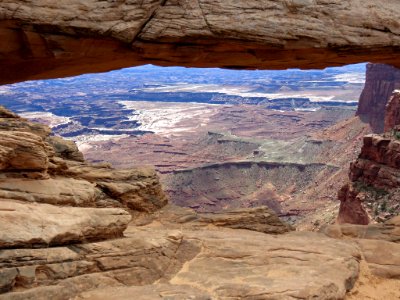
x=65, y=149
x=57, y=191
x=260, y=219
x=392, y=116
x=380, y=82
x=379, y=243
x=243, y=264
x=69, y=37
x=374, y=187
x=28, y=225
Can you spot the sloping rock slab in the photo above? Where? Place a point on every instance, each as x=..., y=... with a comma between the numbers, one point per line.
x=28, y=225
x=388, y=231
x=57, y=191
x=379, y=243
x=242, y=264
x=383, y=257
x=212, y=263
x=260, y=219
x=137, y=189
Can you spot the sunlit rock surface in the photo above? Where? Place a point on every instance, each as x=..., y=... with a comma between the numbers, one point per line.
x=70, y=37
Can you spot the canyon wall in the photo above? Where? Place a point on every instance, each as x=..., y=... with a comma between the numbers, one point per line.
x=392, y=115
x=380, y=82
x=373, y=192
x=46, y=40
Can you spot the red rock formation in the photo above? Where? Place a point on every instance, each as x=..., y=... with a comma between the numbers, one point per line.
x=351, y=207
x=375, y=182
x=392, y=117
x=380, y=82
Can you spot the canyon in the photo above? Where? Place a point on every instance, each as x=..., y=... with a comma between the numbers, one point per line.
x=262, y=125
x=85, y=231
x=74, y=229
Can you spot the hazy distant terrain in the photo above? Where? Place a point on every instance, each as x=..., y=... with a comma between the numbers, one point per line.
x=95, y=106
x=218, y=138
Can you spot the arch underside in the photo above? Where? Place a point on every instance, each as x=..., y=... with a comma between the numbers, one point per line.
x=40, y=40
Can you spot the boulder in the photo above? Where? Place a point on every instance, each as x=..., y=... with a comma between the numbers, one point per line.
x=22, y=151
x=137, y=189
x=65, y=148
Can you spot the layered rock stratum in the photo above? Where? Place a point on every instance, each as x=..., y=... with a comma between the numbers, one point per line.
x=374, y=189
x=73, y=230
x=70, y=37
x=392, y=116
x=380, y=82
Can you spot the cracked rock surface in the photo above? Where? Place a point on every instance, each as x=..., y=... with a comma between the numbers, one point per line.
x=54, y=39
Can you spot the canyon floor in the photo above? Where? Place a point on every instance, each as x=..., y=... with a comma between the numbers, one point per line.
x=216, y=157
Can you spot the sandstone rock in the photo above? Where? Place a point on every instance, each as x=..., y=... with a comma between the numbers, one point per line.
x=138, y=189
x=380, y=82
x=242, y=264
x=58, y=191
x=351, y=206
x=260, y=219
x=388, y=231
x=22, y=151
x=392, y=115
x=22, y=125
x=136, y=260
x=27, y=225
x=5, y=113
x=65, y=148
x=205, y=264
x=383, y=257
x=374, y=188
x=379, y=243
x=157, y=291
x=54, y=40
x=64, y=289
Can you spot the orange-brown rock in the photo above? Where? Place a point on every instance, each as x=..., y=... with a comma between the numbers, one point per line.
x=29, y=153
x=380, y=244
x=32, y=225
x=260, y=219
x=380, y=82
x=21, y=151
x=392, y=116
x=351, y=206
x=44, y=40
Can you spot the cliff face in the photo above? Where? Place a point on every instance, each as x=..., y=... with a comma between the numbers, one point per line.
x=72, y=37
x=380, y=82
x=56, y=196
x=374, y=188
x=392, y=116
x=71, y=230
